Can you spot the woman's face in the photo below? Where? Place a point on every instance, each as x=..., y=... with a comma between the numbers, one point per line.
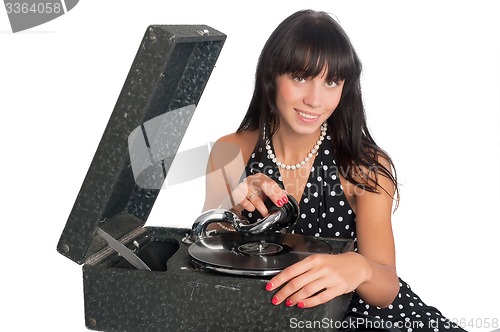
x=304, y=103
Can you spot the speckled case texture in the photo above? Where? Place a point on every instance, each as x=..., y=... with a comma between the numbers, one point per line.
x=163, y=87
x=176, y=296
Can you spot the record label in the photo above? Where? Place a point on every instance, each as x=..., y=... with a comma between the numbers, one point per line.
x=260, y=248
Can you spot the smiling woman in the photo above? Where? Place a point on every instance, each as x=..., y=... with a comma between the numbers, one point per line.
x=307, y=102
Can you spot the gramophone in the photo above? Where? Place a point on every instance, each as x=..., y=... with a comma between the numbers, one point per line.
x=146, y=278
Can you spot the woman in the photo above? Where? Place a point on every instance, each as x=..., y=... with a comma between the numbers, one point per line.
x=305, y=135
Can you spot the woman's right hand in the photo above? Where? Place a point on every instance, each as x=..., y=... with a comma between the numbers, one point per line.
x=251, y=193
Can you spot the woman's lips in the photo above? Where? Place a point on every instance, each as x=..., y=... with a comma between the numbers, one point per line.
x=308, y=117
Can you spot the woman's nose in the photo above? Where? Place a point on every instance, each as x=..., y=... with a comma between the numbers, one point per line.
x=312, y=96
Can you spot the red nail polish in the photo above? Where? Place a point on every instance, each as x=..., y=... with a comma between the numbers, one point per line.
x=285, y=199
x=279, y=203
x=300, y=304
x=288, y=303
x=269, y=286
x=275, y=300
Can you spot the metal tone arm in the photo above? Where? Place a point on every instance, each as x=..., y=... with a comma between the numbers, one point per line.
x=278, y=217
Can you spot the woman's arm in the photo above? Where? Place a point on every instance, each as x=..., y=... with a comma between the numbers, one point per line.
x=224, y=168
x=226, y=185
x=376, y=242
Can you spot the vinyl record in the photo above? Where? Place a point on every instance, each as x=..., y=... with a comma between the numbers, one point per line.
x=260, y=255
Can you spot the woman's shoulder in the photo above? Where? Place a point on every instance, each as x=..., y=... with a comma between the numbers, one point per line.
x=242, y=142
x=240, y=138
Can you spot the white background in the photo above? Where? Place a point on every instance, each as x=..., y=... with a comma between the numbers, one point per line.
x=431, y=86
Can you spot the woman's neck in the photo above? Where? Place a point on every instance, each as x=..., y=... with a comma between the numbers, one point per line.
x=291, y=147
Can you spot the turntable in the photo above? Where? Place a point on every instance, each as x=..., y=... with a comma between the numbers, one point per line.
x=257, y=249
x=138, y=278
x=263, y=255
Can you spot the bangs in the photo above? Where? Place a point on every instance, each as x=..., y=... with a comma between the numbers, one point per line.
x=314, y=48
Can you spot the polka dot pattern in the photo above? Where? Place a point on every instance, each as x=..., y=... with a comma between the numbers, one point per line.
x=323, y=201
x=407, y=312
x=325, y=212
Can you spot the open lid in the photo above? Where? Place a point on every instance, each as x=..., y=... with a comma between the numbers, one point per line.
x=155, y=106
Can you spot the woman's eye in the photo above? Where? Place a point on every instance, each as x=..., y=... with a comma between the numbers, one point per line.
x=331, y=84
x=299, y=79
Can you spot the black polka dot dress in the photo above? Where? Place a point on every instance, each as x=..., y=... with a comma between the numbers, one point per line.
x=325, y=212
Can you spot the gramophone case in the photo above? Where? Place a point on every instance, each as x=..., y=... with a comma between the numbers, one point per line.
x=160, y=94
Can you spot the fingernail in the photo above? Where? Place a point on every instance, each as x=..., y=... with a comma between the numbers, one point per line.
x=288, y=303
x=285, y=199
x=275, y=300
x=300, y=304
x=279, y=203
x=269, y=286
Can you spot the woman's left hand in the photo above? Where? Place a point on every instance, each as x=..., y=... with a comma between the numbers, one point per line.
x=319, y=278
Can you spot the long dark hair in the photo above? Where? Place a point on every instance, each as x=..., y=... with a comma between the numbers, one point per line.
x=303, y=44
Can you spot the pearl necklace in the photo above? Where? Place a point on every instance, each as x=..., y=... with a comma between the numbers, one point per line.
x=314, y=151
